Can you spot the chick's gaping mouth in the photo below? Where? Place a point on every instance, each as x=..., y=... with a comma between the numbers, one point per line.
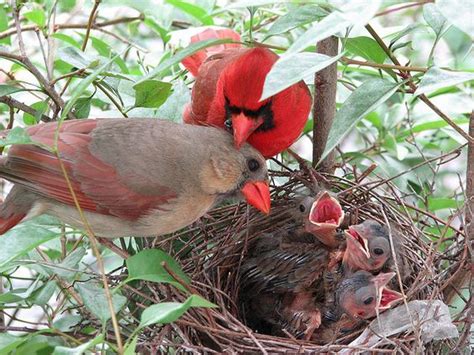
x=362, y=242
x=388, y=297
x=327, y=211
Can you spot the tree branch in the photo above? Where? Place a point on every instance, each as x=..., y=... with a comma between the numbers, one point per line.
x=11, y=102
x=324, y=107
x=406, y=75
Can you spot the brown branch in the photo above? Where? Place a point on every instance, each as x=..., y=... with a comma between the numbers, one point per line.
x=382, y=66
x=90, y=24
x=324, y=107
x=461, y=278
x=386, y=12
x=406, y=75
x=25, y=108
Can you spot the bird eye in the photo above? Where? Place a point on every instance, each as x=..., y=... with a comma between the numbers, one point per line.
x=228, y=124
x=302, y=208
x=378, y=251
x=368, y=300
x=253, y=164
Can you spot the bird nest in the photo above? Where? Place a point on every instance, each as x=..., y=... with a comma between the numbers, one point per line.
x=211, y=253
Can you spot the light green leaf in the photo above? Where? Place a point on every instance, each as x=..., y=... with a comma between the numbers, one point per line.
x=436, y=78
x=96, y=301
x=9, y=342
x=193, y=10
x=81, y=349
x=439, y=203
x=74, y=57
x=4, y=26
x=289, y=70
x=173, y=107
x=361, y=102
x=168, y=312
x=179, y=56
x=67, y=322
x=24, y=238
x=42, y=295
x=151, y=93
x=146, y=265
x=82, y=108
x=40, y=107
x=16, y=135
x=297, y=16
x=37, y=16
x=67, y=39
x=459, y=12
x=250, y=3
x=130, y=347
x=434, y=18
x=367, y=48
x=8, y=89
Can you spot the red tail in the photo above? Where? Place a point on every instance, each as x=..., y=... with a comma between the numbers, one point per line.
x=193, y=62
x=15, y=207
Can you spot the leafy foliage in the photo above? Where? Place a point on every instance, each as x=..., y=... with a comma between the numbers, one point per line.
x=127, y=65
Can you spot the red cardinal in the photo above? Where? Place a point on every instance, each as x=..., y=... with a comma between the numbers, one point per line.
x=139, y=177
x=228, y=87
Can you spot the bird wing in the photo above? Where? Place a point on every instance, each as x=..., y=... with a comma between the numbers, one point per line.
x=97, y=186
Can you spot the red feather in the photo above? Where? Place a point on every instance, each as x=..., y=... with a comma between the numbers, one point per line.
x=97, y=185
x=238, y=75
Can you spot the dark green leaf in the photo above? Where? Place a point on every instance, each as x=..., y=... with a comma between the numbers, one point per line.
x=361, y=102
x=37, y=16
x=82, y=107
x=96, y=302
x=40, y=107
x=193, y=10
x=436, y=78
x=174, y=106
x=298, y=16
x=146, y=265
x=168, y=312
x=8, y=89
x=151, y=93
x=24, y=238
x=290, y=69
x=367, y=48
x=17, y=135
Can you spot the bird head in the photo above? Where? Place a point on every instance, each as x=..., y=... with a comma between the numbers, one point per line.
x=241, y=86
x=241, y=172
x=323, y=215
x=363, y=295
x=368, y=246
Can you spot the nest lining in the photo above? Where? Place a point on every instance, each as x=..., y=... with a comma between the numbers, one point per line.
x=211, y=252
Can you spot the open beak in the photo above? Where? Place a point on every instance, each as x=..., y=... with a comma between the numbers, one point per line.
x=326, y=211
x=243, y=127
x=357, y=241
x=257, y=194
x=386, y=296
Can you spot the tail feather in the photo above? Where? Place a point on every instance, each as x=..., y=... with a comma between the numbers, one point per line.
x=193, y=62
x=7, y=223
x=15, y=207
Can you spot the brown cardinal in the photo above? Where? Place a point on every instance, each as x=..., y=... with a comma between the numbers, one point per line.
x=139, y=177
x=368, y=246
x=227, y=93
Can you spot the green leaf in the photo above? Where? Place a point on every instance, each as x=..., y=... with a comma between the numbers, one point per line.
x=298, y=16
x=434, y=18
x=151, y=93
x=4, y=26
x=436, y=204
x=179, y=56
x=67, y=322
x=173, y=107
x=42, y=295
x=146, y=265
x=459, y=13
x=289, y=70
x=40, y=107
x=24, y=238
x=367, y=48
x=9, y=342
x=37, y=16
x=82, y=108
x=96, y=301
x=193, y=10
x=67, y=39
x=168, y=312
x=361, y=102
x=436, y=78
x=407, y=30
x=81, y=349
x=74, y=57
x=79, y=89
x=130, y=347
x=8, y=89
x=16, y=135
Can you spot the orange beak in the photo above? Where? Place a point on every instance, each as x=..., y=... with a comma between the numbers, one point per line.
x=257, y=194
x=243, y=127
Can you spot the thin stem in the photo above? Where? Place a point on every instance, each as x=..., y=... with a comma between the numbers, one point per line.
x=382, y=66
x=90, y=24
x=386, y=12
